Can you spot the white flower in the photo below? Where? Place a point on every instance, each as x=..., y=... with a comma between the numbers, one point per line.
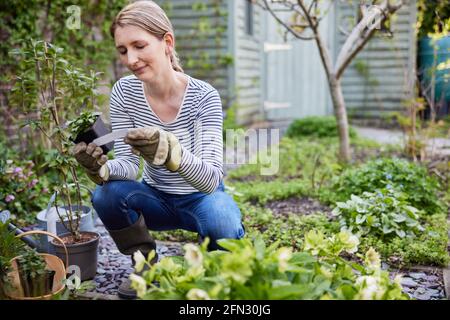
x=350, y=241
x=138, y=283
x=197, y=294
x=373, y=259
x=370, y=288
x=193, y=255
x=284, y=255
x=139, y=261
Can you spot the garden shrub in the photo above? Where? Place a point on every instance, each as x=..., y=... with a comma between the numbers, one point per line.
x=384, y=213
x=317, y=127
x=412, y=179
x=22, y=192
x=251, y=270
x=428, y=248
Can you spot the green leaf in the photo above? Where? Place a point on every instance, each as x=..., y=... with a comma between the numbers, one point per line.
x=360, y=218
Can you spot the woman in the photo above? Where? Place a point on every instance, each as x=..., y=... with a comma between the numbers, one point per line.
x=175, y=125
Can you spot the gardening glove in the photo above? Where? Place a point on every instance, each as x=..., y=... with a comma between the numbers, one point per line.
x=92, y=159
x=156, y=146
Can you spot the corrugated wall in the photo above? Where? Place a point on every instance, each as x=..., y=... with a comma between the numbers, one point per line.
x=381, y=77
x=295, y=79
x=247, y=83
x=192, y=44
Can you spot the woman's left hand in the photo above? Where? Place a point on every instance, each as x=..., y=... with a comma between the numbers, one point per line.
x=156, y=146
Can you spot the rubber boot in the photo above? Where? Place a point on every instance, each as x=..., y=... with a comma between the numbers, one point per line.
x=129, y=240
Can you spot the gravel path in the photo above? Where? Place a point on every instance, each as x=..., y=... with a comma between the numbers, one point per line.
x=437, y=146
x=424, y=285
x=113, y=267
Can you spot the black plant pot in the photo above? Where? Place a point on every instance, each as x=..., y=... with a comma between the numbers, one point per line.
x=98, y=129
x=83, y=255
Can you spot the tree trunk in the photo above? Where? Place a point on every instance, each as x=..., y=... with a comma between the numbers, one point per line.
x=341, y=118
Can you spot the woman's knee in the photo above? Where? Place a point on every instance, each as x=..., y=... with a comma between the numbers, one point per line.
x=107, y=195
x=223, y=220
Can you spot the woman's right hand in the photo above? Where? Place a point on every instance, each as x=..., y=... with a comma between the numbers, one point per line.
x=92, y=159
x=89, y=156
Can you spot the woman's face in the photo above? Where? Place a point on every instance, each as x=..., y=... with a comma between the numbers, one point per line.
x=143, y=53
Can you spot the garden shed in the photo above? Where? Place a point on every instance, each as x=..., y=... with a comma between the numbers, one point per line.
x=240, y=49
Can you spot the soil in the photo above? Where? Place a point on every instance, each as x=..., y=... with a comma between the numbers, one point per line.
x=298, y=205
x=85, y=237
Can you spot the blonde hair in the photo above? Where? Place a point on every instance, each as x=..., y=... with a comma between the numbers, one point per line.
x=148, y=16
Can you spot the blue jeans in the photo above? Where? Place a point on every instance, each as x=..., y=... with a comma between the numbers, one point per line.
x=216, y=215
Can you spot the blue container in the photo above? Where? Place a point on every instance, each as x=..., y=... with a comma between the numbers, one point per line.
x=427, y=59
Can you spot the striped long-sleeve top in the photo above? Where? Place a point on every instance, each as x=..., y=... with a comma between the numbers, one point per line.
x=198, y=127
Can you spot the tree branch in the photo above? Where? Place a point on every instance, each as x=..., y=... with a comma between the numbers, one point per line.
x=280, y=21
x=361, y=34
x=323, y=50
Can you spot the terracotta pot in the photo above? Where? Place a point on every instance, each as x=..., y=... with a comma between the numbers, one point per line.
x=17, y=288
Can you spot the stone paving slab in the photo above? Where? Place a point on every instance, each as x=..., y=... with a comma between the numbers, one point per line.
x=437, y=146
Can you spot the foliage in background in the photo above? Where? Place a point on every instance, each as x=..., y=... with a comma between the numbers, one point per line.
x=22, y=192
x=317, y=127
x=10, y=247
x=433, y=17
x=410, y=178
x=384, y=213
x=253, y=193
x=428, y=248
x=250, y=270
x=297, y=164
x=86, y=43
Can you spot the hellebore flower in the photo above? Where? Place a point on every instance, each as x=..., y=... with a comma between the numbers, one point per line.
x=197, y=294
x=138, y=283
x=193, y=255
x=139, y=261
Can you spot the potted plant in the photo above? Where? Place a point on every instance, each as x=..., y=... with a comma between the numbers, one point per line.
x=35, y=279
x=87, y=127
x=10, y=247
x=50, y=90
